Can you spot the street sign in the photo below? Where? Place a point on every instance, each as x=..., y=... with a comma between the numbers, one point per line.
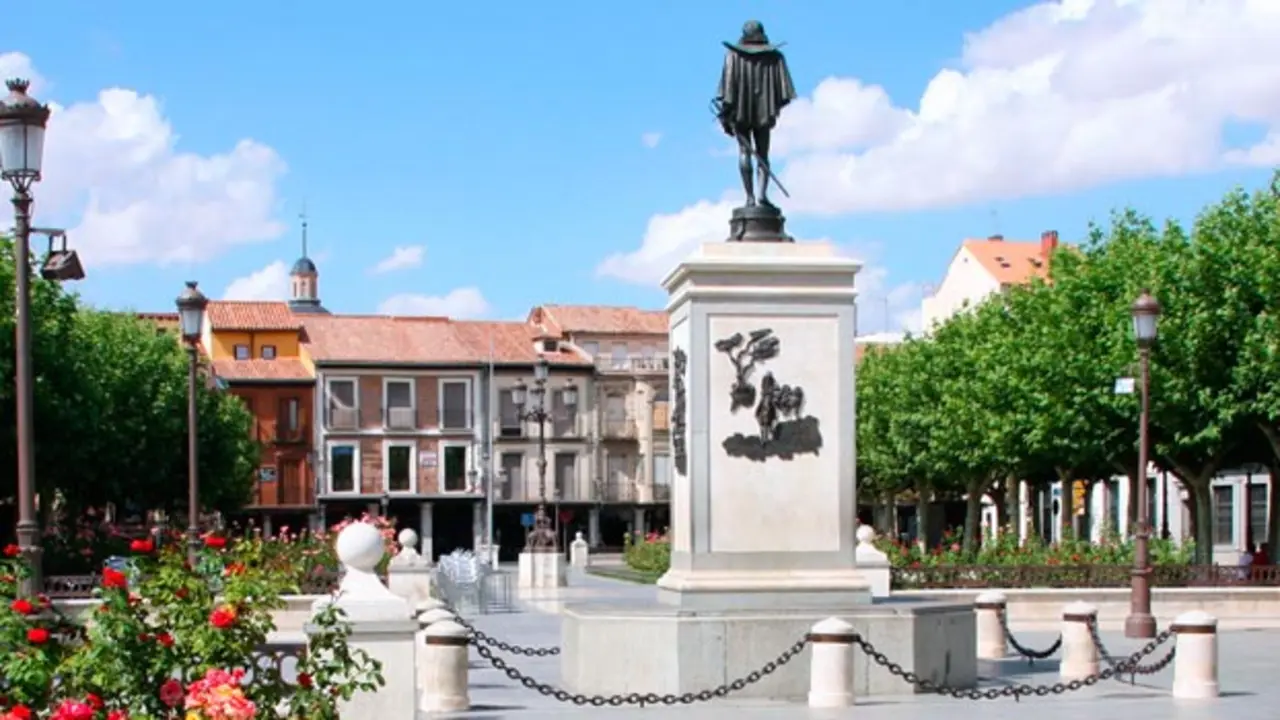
x=526, y=520
x=1124, y=386
x=566, y=516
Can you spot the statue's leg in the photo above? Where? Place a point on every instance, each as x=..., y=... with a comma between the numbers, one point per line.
x=744, y=166
x=761, y=138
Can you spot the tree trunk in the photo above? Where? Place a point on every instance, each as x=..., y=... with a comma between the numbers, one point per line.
x=1204, y=521
x=1066, y=502
x=999, y=496
x=1013, y=506
x=972, y=517
x=922, y=519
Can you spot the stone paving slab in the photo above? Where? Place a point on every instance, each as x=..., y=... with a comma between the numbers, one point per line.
x=1250, y=679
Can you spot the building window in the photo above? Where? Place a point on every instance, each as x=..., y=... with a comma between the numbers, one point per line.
x=344, y=468
x=268, y=352
x=566, y=474
x=398, y=397
x=455, y=404
x=242, y=352
x=1113, y=507
x=618, y=478
x=564, y=419
x=1258, y=512
x=618, y=357
x=661, y=477
x=509, y=424
x=343, y=401
x=615, y=416
x=1224, y=514
x=591, y=348
x=399, y=467
x=288, y=421
x=513, y=472
x=455, y=469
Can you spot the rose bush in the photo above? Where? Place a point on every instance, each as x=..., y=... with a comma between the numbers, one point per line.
x=173, y=639
x=649, y=554
x=1005, y=550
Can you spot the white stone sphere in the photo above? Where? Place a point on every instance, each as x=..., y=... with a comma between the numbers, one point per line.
x=408, y=538
x=360, y=546
x=866, y=534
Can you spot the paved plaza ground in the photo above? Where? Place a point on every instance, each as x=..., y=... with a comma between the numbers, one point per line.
x=1250, y=679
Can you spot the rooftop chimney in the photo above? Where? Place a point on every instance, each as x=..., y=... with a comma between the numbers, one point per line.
x=996, y=238
x=1048, y=243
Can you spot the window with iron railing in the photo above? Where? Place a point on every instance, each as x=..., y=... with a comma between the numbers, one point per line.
x=1224, y=514
x=513, y=473
x=455, y=404
x=509, y=424
x=399, y=403
x=566, y=473
x=289, y=420
x=342, y=407
x=564, y=418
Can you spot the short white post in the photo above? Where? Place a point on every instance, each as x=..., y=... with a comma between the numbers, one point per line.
x=1079, y=652
x=872, y=564
x=409, y=574
x=1195, y=664
x=831, y=664
x=445, y=682
x=427, y=618
x=579, y=552
x=988, y=609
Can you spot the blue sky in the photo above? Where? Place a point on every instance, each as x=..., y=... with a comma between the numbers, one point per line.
x=513, y=148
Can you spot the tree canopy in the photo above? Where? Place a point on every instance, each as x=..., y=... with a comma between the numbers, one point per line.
x=1021, y=387
x=111, y=410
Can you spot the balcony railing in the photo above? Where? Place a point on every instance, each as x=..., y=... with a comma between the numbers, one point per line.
x=633, y=364
x=342, y=418
x=453, y=418
x=662, y=493
x=400, y=418
x=511, y=428
x=518, y=489
x=617, y=491
x=622, y=428
x=284, y=434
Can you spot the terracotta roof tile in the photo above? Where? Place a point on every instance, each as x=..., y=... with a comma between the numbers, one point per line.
x=251, y=315
x=381, y=338
x=162, y=320
x=512, y=343
x=258, y=370
x=1010, y=262
x=599, y=320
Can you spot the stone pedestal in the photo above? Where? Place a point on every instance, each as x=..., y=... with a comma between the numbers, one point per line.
x=382, y=625
x=765, y=522
x=759, y=223
x=872, y=563
x=541, y=570
x=409, y=575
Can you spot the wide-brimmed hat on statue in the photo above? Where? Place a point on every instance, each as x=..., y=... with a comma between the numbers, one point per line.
x=753, y=39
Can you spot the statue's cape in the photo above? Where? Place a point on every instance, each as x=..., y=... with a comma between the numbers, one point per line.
x=754, y=49
x=755, y=85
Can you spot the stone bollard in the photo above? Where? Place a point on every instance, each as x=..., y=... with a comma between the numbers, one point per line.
x=1079, y=652
x=427, y=618
x=579, y=553
x=831, y=664
x=409, y=574
x=872, y=564
x=1195, y=664
x=988, y=609
x=445, y=683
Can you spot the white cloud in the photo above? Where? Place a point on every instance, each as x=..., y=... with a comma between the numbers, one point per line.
x=1054, y=98
x=651, y=139
x=269, y=283
x=668, y=240
x=113, y=169
x=402, y=258
x=460, y=304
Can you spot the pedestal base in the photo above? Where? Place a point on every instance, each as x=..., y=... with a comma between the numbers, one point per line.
x=793, y=589
x=671, y=650
x=758, y=223
x=542, y=570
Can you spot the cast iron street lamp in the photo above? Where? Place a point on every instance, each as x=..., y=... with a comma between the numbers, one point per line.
x=535, y=409
x=191, y=307
x=1140, y=623
x=22, y=124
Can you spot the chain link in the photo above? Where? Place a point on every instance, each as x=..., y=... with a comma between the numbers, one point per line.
x=1017, y=692
x=506, y=647
x=1024, y=651
x=640, y=699
x=1135, y=669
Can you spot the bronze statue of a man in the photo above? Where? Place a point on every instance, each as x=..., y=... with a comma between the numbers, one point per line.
x=541, y=538
x=754, y=87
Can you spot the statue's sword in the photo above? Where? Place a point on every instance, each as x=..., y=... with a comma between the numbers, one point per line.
x=718, y=110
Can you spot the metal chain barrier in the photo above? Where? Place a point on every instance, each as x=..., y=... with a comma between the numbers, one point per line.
x=1024, y=651
x=1135, y=669
x=482, y=637
x=1017, y=692
x=640, y=699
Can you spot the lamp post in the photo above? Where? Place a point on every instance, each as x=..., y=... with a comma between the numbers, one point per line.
x=1140, y=623
x=22, y=125
x=531, y=405
x=191, y=306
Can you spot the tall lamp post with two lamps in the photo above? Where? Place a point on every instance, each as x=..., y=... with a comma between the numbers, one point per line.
x=191, y=306
x=1141, y=623
x=531, y=405
x=22, y=126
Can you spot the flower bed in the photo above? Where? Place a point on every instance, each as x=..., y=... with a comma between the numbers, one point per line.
x=648, y=554
x=170, y=640
x=1005, y=550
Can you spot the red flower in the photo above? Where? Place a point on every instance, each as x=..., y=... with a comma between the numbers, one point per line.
x=304, y=680
x=12, y=550
x=165, y=639
x=37, y=636
x=73, y=710
x=117, y=715
x=93, y=701
x=20, y=712
x=223, y=617
x=22, y=606
x=215, y=542
x=171, y=693
x=142, y=546
x=114, y=579
x=181, y=593
x=234, y=568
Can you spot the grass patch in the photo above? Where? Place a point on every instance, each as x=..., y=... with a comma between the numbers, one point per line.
x=625, y=574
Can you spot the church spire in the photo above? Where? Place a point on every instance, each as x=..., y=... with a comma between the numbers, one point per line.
x=305, y=278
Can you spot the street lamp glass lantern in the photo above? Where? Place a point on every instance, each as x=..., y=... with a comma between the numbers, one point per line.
x=22, y=124
x=570, y=395
x=520, y=394
x=191, y=306
x=540, y=370
x=1146, y=313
